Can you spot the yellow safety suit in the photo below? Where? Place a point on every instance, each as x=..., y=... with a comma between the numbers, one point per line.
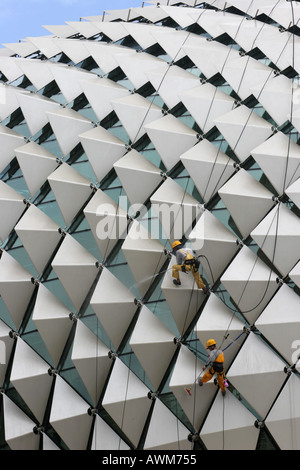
x=183, y=255
x=216, y=361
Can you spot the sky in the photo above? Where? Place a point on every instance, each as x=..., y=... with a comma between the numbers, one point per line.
x=25, y=18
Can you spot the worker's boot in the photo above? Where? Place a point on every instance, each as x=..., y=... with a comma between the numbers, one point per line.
x=176, y=282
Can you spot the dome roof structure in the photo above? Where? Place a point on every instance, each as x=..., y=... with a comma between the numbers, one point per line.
x=120, y=134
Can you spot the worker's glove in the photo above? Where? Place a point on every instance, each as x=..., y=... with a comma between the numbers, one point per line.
x=183, y=268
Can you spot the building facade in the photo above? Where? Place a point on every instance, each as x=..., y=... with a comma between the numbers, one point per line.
x=119, y=135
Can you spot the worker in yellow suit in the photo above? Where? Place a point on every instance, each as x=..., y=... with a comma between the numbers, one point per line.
x=186, y=262
x=215, y=364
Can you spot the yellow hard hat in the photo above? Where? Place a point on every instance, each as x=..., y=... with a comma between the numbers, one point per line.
x=176, y=243
x=210, y=342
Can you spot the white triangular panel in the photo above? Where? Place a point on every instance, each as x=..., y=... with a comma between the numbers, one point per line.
x=135, y=112
x=51, y=318
x=67, y=124
x=257, y=374
x=36, y=164
x=11, y=208
x=184, y=376
x=138, y=176
x=165, y=431
x=144, y=256
x=183, y=301
x=69, y=412
x=279, y=321
x=214, y=244
x=114, y=306
x=229, y=426
x=18, y=428
x=153, y=345
x=108, y=221
x=278, y=237
x=171, y=138
x=250, y=283
x=283, y=419
x=30, y=377
x=103, y=149
x=217, y=321
x=90, y=357
x=76, y=269
x=39, y=236
x=14, y=276
x=247, y=200
x=244, y=130
x=126, y=401
x=279, y=158
x=71, y=190
x=208, y=167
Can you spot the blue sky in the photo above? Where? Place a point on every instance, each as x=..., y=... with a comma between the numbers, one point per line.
x=24, y=18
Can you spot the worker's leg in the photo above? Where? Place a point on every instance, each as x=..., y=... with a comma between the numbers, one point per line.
x=175, y=271
x=220, y=376
x=198, y=279
x=208, y=375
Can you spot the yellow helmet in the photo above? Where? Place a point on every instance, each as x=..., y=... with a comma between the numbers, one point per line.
x=210, y=342
x=176, y=243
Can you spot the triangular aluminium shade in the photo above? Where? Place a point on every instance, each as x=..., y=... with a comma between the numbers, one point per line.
x=35, y=109
x=39, y=235
x=30, y=373
x=51, y=318
x=69, y=186
x=153, y=345
x=36, y=164
x=90, y=357
x=217, y=321
x=11, y=208
x=168, y=79
x=67, y=125
x=9, y=141
x=113, y=303
x=100, y=94
x=135, y=112
x=258, y=374
x=293, y=192
x=208, y=167
x=283, y=419
x=183, y=301
x=247, y=200
x=229, y=426
x=279, y=158
x=68, y=412
x=175, y=208
x=103, y=149
x=18, y=427
x=69, y=263
x=187, y=370
x=138, y=176
x=206, y=103
x=108, y=221
x=244, y=130
x=278, y=323
x=105, y=438
x=165, y=432
x=126, y=401
x=250, y=283
x=278, y=237
x=171, y=138
x=144, y=256
x=14, y=276
x=214, y=244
